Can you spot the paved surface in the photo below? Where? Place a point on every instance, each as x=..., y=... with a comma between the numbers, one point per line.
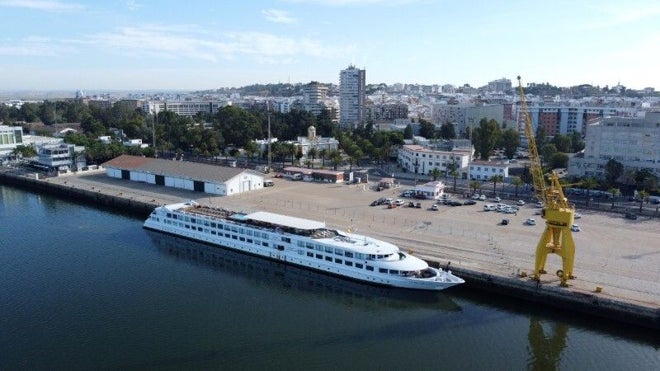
x=621, y=256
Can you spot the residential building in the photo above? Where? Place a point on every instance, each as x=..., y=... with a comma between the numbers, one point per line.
x=185, y=108
x=352, y=97
x=466, y=115
x=485, y=170
x=634, y=142
x=314, y=96
x=501, y=85
x=563, y=119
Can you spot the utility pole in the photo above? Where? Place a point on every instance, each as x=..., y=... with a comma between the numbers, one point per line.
x=269, y=139
x=153, y=131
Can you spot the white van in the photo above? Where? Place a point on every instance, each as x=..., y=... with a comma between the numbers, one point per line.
x=296, y=177
x=490, y=207
x=268, y=183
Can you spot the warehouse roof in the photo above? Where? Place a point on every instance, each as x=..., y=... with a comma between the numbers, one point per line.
x=180, y=169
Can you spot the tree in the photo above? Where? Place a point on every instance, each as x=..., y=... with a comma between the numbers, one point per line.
x=435, y=173
x=323, y=153
x=312, y=153
x=447, y=131
x=510, y=142
x=559, y=160
x=496, y=179
x=546, y=152
x=613, y=192
x=335, y=158
x=576, y=142
x=517, y=182
x=589, y=183
x=408, y=132
x=426, y=129
x=642, y=196
x=454, y=173
x=562, y=143
x=485, y=137
x=250, y=149
x=475, y=185
x=613, y=170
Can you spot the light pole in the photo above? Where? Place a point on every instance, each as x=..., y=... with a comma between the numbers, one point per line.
x=153, y=132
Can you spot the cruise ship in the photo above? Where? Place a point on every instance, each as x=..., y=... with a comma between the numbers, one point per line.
x=301, y=242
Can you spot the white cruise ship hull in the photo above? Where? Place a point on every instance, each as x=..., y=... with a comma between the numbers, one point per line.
x=333, y=254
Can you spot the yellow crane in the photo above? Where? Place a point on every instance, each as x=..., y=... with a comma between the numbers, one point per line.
x=557, y=212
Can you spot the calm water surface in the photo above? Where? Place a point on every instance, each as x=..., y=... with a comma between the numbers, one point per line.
x=83, y=288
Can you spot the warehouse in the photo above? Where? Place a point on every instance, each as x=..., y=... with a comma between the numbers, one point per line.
x=219, y=180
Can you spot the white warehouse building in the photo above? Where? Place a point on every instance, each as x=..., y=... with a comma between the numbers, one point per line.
x=219, y=180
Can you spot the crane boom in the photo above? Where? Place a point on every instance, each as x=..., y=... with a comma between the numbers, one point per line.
x=557, y=212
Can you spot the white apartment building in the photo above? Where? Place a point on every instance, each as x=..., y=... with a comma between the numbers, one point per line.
x=314, y=96
x=352, y=97
x=184, y=108
x=422, y=160
x=61, y=157
x=484, y=170
x=634, y=142
x=466, y=115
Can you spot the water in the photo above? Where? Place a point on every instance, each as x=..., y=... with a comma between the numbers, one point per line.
x=84, y=288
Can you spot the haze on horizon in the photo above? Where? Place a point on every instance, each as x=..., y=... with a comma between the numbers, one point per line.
x=160, y=45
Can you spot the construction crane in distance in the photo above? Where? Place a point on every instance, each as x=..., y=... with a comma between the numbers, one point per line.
x=557, y=212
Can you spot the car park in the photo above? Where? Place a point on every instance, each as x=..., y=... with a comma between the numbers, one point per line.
x=575, y=228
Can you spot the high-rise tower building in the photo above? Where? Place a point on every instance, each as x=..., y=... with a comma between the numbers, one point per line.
x=352, y=97
x=314, y=95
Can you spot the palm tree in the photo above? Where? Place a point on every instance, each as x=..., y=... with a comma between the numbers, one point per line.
x=643, y=196
x=323, y=153
x=496, y=179
x=454, y=173
x=614, y=192
x=475, y=185
x=435, y=173
x=517, y=181
x=589, y=183
x=311, y=154
x=335, y=158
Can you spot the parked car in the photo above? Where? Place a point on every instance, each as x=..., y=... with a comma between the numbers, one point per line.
x=411, y=204
x=418, y=205
x=455, y=203
x=399, y=202
x=577, y=216
x=530, y=221
x=520, y=203
x=497, y=199
x=268, y=183
x=575, y=228
x=434, y=207
x=482, y=198
x=469, y=202
x=475, y=196
x=505, y=222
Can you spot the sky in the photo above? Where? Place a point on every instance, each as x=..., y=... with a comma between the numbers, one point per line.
x=209, y=44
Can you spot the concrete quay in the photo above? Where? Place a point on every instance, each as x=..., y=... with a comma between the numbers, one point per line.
x=617, y=260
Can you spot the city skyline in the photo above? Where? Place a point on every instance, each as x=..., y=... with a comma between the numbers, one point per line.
x=149, y=45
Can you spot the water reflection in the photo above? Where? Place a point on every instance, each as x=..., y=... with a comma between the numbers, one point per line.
x=545, y=349
x=279, y=276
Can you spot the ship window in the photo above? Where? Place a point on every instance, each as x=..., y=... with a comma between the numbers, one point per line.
x=319, y=256
x=213, y=225
x=338, y=261
x=286, y=239
x=249, y=232
x=394, y=271
x=264, y=244
x=249, y=240
x=233, y=237
x=242, y=231
x=241, y=239
x=328, y=249
x=310, y=254
x=212, y=232
x=382, y=270
x=301, y=244
x=264, y=236
x=358, y=265
x=192, y=220
x=339, y=252
x=370, y=268
x=349, y=263
x=280, y=247
x=309, y=246
x=169, y=215
x=319, y=248
x=187, y=226
x=234, y=229
x=328, y=258
x=206, y=223
x=227, y=235
x=349, y=254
